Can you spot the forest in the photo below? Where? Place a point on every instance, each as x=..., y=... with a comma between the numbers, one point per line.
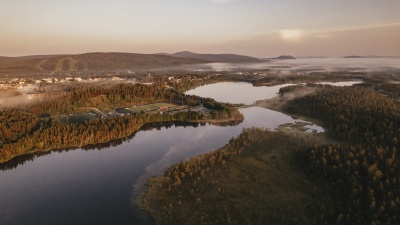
x=353, y=178
x=365, y=170
x=36, y=126
x=251, y=180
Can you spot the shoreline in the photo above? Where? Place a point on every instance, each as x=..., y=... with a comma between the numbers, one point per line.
x=259, y=163
x=147, y=199
x=215, y=122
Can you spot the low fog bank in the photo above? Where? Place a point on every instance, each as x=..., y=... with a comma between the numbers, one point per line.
x=298, y=93
x=22, y=96
x=279, y=101
x=302, y=65
x=13, y=98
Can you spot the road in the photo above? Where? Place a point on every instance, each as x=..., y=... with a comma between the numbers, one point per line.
x=98, y=112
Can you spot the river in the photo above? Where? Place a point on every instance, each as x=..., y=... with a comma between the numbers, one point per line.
x=97, y=184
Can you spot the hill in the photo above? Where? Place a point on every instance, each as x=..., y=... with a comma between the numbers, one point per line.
x=90, y=62
x=19, y=58
x=226, y=58
x=5, y=59
x=371, y=57
x=283, y=57
x=354, y=57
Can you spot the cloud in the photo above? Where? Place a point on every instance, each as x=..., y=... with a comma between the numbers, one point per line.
x=291, y=35
x=222, y=1
x=369, y=39
x=323, y=36
x=365, y=27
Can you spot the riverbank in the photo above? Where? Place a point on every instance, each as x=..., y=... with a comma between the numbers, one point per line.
x=131, y=131
x=222, y=186
x=228, y=189
x=278, y=103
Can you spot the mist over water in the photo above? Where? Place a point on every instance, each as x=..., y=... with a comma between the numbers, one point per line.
x=304, y=65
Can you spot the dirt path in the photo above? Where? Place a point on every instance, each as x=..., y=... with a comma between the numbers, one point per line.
x=39, y=65
x=72, y=64
x=98, y=111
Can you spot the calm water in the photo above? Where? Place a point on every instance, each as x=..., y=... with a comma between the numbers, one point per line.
x=236, y=92
x=97, y=185
x=246, y=93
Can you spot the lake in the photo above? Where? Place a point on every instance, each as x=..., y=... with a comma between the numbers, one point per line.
x=97, y=184
x=236, y=92
x=246, y=93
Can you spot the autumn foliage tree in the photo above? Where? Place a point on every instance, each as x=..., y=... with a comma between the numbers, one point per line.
x=366, y=171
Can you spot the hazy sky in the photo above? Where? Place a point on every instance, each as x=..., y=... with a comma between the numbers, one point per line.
x=261, y=28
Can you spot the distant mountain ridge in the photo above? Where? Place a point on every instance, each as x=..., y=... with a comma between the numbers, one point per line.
x=283, y=57
x=98, y=61
x=111, y=61
x=354, y=57
x=226, y=58
x=10, y=59
x=369, y=57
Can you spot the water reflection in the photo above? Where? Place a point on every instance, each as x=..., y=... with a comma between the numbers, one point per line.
x=194, y=143
x=246, y=93
x=21, y=160
x=236, y=92
x=84, y=186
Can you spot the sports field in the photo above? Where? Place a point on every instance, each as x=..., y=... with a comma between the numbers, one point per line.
x=77, y=118
x=149, y=107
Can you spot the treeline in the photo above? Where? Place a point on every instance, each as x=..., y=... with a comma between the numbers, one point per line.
x=184, y=184
x=357, y=115
x=33, y=128
x=71, y=98
x=295, y=88
x=229, y=186
x=210, y=103
x=186, y=82
x=32, y=134
x=365, y=172
x=20, y=160
x=191, y=172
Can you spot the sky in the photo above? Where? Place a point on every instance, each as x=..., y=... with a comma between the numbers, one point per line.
x=259, y=28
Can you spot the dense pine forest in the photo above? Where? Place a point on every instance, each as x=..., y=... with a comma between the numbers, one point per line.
x=37, y=126
x=365, y=171
x=251, y=180
x=358, y=174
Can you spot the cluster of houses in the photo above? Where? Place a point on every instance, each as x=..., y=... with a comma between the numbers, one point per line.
x=31, y=84
x=251, y=73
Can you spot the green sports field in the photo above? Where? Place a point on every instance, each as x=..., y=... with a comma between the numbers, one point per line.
x=77, y=118
x=149, y=107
